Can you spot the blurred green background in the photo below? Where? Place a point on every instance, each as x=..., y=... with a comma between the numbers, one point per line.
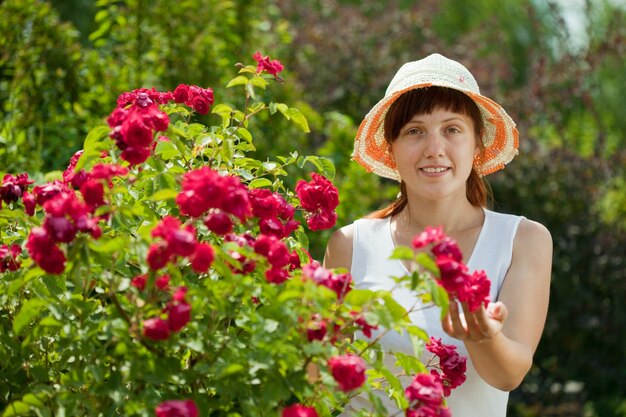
x=558, y=67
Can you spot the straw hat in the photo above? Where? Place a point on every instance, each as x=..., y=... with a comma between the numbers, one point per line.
x=500, y=137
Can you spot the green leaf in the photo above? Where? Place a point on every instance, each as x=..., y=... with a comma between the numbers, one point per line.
x=260, y=183
x=239, y=80
x=427, y=262
x=402, y=252
x=16, y=408
x=440, y=297
x=230, y=369
x=30, y=309
x=397, y=311
x=109, y=245
x=244, y=133
x=259, y=82
x=283, y=109
x=166, y=150
x=298, y=118
x=359, y=297
x=164, y=194
x=409, y=363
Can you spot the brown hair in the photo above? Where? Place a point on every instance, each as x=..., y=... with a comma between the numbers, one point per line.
x=424, y=101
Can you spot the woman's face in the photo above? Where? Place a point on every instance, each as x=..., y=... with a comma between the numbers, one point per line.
x=434, y=154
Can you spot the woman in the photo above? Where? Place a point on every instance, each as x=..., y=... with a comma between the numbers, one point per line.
x=436, y=134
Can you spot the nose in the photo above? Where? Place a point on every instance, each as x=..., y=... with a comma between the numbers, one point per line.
x=434, y=145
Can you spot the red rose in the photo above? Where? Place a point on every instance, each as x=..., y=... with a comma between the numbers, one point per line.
x=348, y=370
x=181, y=93
x=177, y=408
x=60, y=229
x=135, y=132
x=316, y=328
x=453, y=274
x=219, y=222
x=139, y=282
x=299, y=410
x=360, y=321
x=264, y=203
x=156, y=329
x=264, y=63
x=324, y=219
x=451, y=363
x=93, y=192
x=428, y=236
x=182, y=242
x=202, y=258
x=317, y=194
x=179, y=314
x=135, y=154
x=476, y=292
x=276, y=275
x=29, y=203
x=8, y=257
x=448, y=246
x=158, y=255
x=53, y=262
x=162, y=282
x=425, y=390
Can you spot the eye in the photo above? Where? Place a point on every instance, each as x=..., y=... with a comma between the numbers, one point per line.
x=413, y=131
x=453, y=130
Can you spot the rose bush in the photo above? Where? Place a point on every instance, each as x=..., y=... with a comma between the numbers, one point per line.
x=166, y=272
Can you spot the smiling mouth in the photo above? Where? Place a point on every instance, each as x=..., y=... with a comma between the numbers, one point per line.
x=434, y=170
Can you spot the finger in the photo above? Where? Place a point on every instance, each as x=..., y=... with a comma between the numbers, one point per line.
x=477, y=325
x=498, y=311
x=446, y=325
x=458, y=326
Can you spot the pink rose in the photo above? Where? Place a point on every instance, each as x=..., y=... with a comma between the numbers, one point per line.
x=348, y=370
x=177, y=408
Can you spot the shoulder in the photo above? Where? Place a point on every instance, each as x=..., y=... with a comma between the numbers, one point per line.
x=339, y=248
x=532, y=237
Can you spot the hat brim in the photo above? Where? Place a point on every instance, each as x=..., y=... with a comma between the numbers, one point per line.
x=500, y=137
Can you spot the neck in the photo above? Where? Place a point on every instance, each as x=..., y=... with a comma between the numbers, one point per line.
x=453, y=216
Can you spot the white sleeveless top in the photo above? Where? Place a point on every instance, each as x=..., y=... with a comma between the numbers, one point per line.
x=371, y=269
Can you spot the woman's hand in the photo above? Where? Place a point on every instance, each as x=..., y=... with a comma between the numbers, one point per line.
x=480, y=326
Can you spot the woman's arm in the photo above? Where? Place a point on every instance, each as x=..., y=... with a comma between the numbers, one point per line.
x=339, y=249
x=501, y=340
